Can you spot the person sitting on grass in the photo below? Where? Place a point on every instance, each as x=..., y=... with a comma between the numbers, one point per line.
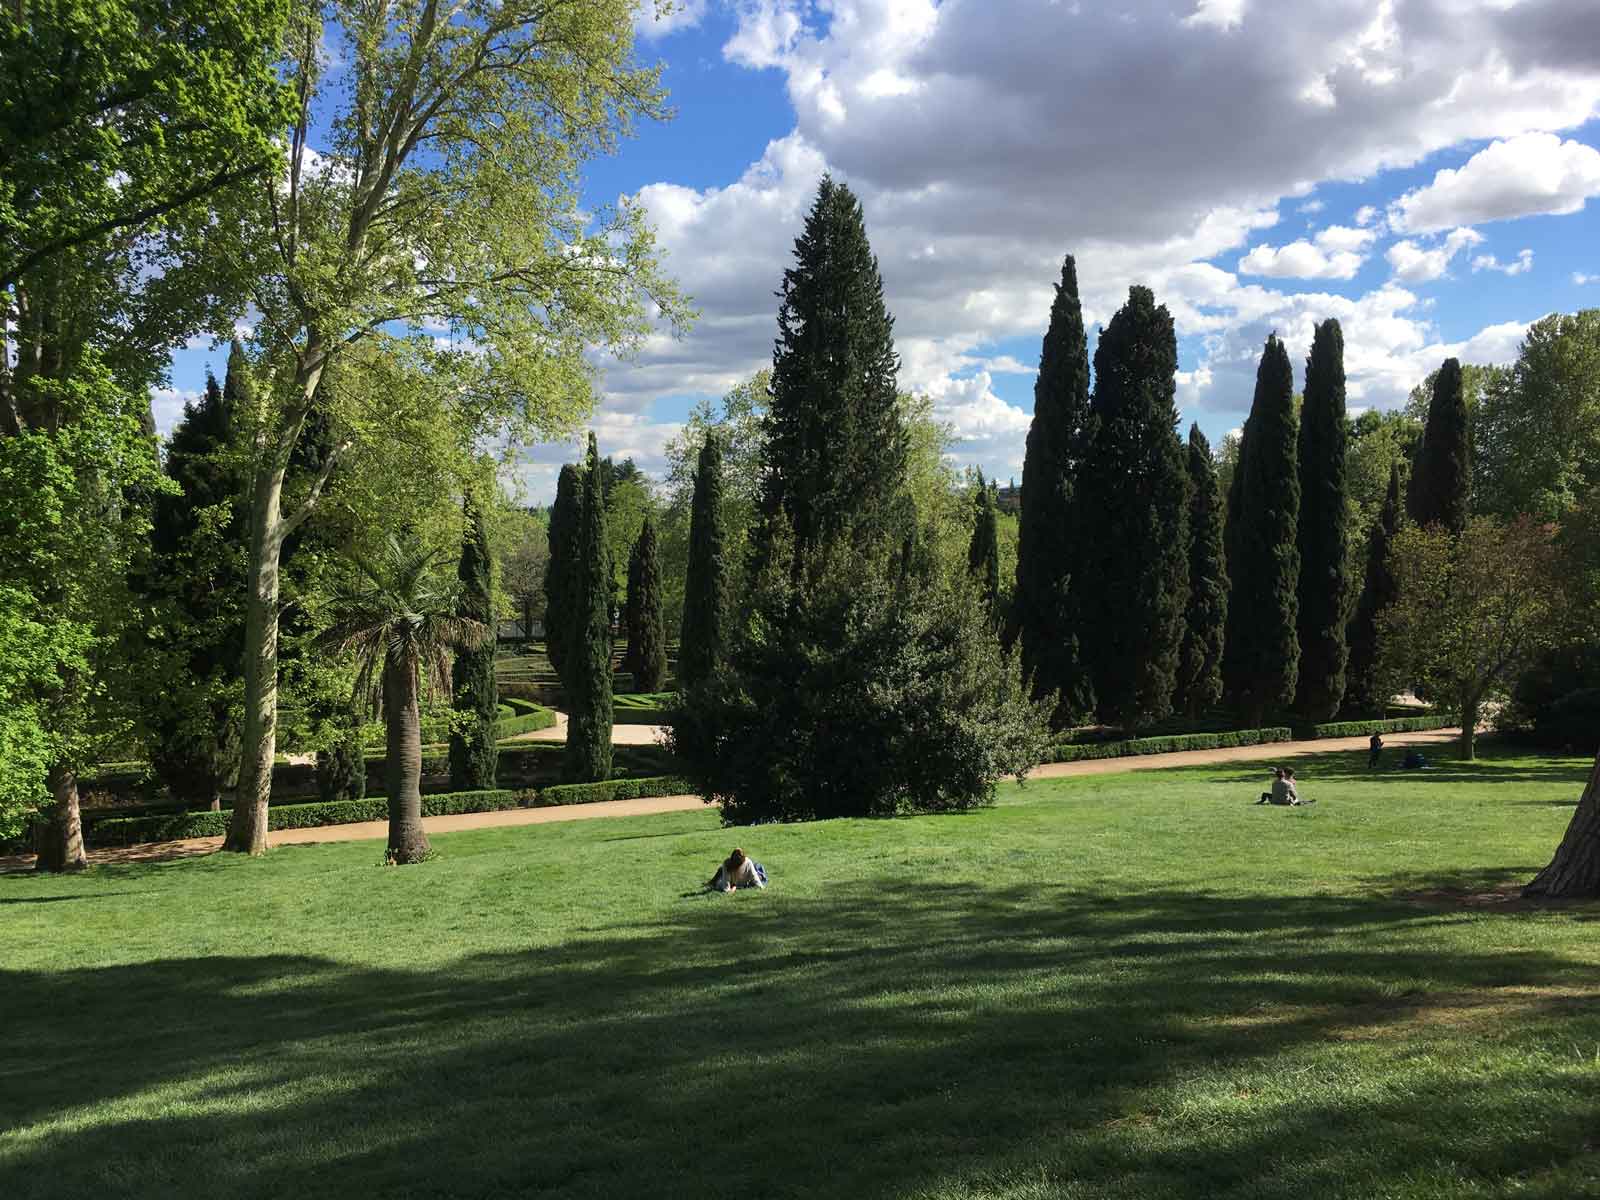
x=1283, y=789
x=739, y=870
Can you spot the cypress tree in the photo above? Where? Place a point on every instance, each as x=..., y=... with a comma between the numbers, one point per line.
x=837, y=446
x=630, y=611
x=1378, y=591
x=1440, y=492
x=561, y=571
x=1261, y=656
x=1325, y=587
x=648, y=634
x=1136, y=501
x=706, y=584
x=473, y=753
x=1206, y=618
x=983, y=551
x=588, y=757
x=1042, y=611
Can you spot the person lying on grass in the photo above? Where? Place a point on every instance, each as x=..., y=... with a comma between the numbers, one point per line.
x=740, y=870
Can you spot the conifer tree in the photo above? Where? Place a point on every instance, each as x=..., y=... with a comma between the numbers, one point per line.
x=983, y=551
x=1325, y=587
x=630, y=611
x=837, y=446
x=647, y=635
x=1378, y=590
x=474, y=694
x=1440, y=492
x=1042, y=611
x=561, y=570
x=588, y=757
x=1261, y=655
x=1136, y=500
x=1200, y=665
x=706, y=584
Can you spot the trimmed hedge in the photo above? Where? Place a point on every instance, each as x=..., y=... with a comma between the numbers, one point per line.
x=612, y=789
x=1333, y=729
x=526, y=718
x=1070, y=752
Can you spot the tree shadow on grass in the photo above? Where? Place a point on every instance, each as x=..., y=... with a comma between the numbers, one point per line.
x=1493, y=767
x=894, y=1040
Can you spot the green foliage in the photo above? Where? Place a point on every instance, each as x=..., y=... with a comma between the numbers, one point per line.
x=836, y=447
x=342, y=770
x=588, y=755
x=472, y=681
x=1365, y=689
x=1440, y=490
x=853, y=692
x=1261, y=658
x=1326, y=590
x=561, y=576
x=983, y=551
x=1199, y=684
x=1134, y=495
x=1043, y=610
x=647, y=636
x=1170, y=744
x=611, y=789
x=1557, y=698
x=705, y=602
x=1339, y=729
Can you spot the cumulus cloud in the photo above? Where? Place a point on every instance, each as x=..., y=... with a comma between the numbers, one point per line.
x=166, y=406
x=1579, y=278
x=1334, y=253
x=1535, y=173
x=1414, y=262
x=1520, y=265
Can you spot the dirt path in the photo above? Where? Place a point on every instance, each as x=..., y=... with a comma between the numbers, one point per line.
x=367, y=830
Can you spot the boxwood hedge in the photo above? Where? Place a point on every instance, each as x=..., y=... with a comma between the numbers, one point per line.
x=1077, y=752
x=1333, y=729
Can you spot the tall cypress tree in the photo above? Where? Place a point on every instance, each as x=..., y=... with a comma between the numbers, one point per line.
x=561, y=571
x=588, y=757
x=1440, y=492
x=837, y=446
x=705, y=588
x=1206, y=618
x=983, y=551
x=473, y=753
x=630, y=611
x=1261, y=657
x=1378, y=591
x=1136, y=501
x=1325, y=589
x=1042, y=610
x=647, y=633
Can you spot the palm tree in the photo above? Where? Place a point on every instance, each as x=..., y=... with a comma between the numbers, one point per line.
x=400, y=625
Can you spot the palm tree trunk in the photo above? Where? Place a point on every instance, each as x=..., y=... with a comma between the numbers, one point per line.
x=1574, y=873
x=59, y=841
x=403, y=761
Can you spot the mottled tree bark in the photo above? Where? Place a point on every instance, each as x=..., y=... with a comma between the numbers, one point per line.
x=403, y=761
x=1574, y=873
x=58, y=841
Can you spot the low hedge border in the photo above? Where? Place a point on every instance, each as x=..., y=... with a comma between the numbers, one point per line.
x=527, y=717
x=612, y=789
x=1335, y=729
x=1070, y=752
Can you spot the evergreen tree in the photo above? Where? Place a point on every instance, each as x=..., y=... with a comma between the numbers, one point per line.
x=647, y=634
x=706, y=584
x=837, y=446
x=473, y=753
x=983, y=551
x=1042, y=612
x=1261, y=656
x=1378, y=592
x=1135, y=498
x=588, y=757
x=1440, y=492
x=1325, y=587
x=561, y=571
x=1200, y=665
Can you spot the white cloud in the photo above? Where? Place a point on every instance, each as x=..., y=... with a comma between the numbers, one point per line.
x=1579, y=278
x=166, y=406
x=1342, y=237
x=1416, y=263
x=1366, y=215
x=1522, y=176
x=1300, y=260
x=1312, y=207
x=1219, y=14
x=1521, y=265
x=652, y=20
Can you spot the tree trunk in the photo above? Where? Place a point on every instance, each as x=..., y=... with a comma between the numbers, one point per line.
x=1469, y=727
x=1574, y=873
x=402, y=765
x=59, y=841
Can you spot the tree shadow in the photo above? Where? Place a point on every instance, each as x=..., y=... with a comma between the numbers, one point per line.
x=895, y=1039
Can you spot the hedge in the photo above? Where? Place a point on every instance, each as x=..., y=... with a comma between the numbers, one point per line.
x=1069, y=752
x=526, y=718
x=612, y=789
x=1334, y=729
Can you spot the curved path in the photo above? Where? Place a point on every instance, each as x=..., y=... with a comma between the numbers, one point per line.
x=368, y=830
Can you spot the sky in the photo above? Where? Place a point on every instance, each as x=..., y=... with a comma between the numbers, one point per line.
x=1420, y=169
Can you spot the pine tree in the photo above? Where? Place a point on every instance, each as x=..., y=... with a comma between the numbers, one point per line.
x=588, y=757
x=1325, y=588
x=648, y=634
x=1261, y=656
x=1135, y=498
x=1378, y=591
x=1042, y=612
x=1200, y=665
x=473, y=753
x=706, y=584
x=1440, y=492
x=836, y=466
x=983, y=551
x=561, y=571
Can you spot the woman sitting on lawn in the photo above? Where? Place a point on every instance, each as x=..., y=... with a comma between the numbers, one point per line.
x=1283, y=789
x=740, y=870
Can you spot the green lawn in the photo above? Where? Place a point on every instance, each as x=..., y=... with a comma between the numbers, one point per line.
x=1132, y=985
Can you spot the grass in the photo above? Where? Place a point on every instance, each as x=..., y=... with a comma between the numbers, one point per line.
x=1134, y=985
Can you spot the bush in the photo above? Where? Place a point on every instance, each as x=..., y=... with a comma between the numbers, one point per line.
x=1078, y=752
x=1335, y=729
x=525, y=717
x=612, y=789
x=1551, y=695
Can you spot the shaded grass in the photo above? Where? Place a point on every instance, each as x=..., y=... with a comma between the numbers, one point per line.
x=1128, y=985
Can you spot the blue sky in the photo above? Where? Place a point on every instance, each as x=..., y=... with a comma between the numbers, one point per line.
x=1422, y=171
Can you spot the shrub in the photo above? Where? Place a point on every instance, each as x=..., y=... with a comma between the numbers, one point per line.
x=1078, y=752
x=612, y=789
x=1335, y=729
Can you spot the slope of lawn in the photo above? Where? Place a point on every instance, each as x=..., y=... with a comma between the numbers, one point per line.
x=1120, y=986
